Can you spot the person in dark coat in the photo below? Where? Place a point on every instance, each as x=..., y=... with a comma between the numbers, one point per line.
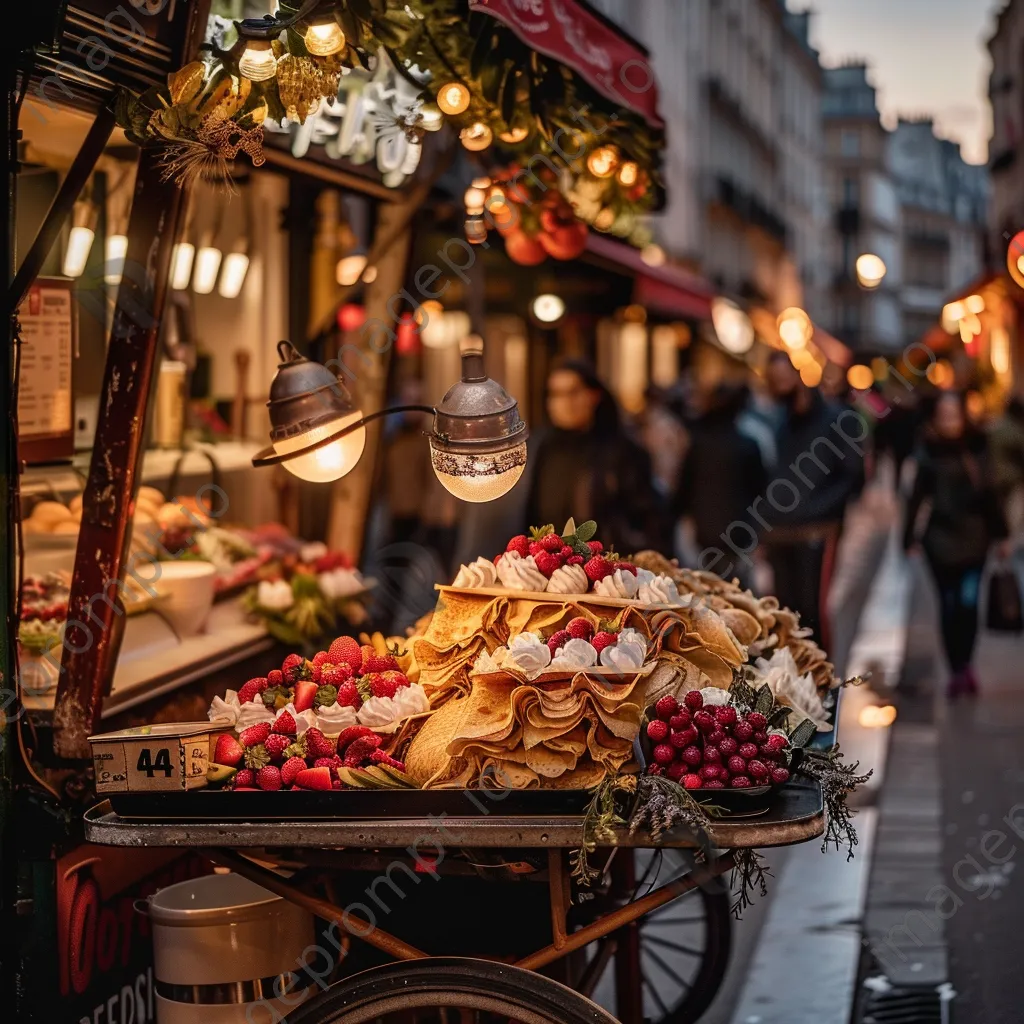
x=721, y=476
x=820, y=467
x=954, y=491
x=587, y=467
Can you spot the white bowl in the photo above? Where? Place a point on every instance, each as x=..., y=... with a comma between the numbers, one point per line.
x=187, y=588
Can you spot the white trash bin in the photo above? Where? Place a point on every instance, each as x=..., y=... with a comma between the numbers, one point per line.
x=225, y=949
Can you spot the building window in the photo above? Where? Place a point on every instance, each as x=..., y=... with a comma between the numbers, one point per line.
x=851, y=192
x=849, y=142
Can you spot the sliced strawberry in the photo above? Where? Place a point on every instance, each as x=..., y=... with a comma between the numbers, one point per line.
x=353, y=732
x=314, y=778
x=228, y=750
x=255, y=734
x=305, y=694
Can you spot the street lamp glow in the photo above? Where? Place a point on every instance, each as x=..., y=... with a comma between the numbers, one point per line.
x=732, y=326
x=871, y=270
x=653, y=255
x=548, y=308
x=795, y=327
x=232, y=277
x=860, y=377
x=875, y=717
x=974, y=304
x=77, y=255
x=204, y=280
x=350, y=269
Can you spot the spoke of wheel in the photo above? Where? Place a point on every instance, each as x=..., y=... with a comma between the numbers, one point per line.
x=684, y=984
x=657, y=998
x=678, y=946
x=656, y=918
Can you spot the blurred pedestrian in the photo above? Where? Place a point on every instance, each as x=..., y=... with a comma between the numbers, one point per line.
x=1007, y=446
x=898, y=426
x=721, y=476
x=587, y=467
x=954, y=491
x=820, y=466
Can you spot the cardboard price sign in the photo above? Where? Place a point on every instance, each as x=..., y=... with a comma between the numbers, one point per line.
x=152, y=758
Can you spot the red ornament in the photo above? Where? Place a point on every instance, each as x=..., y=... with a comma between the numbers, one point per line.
x=522, y=249
x=351, y=317
x=407, y=336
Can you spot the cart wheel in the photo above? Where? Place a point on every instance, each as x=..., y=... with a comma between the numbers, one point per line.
x=677, y=956
x=450, y=990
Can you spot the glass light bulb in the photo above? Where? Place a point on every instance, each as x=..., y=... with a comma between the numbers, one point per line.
x=431, y=118
x=476, y=137
x=628, y=173
x=513, y=135
x=332, y=461
x=324, y=38
x=453, y=98
x=181, y=265
x=732, y=326
x=871, y=270
x=474, y=198
x=113, y=258
x=481, y=477
x=232, y=277
x=77, y=255
x=258, y=62
x=207, y=267
x=548, y=308
x=603, y=161
x=350, y=269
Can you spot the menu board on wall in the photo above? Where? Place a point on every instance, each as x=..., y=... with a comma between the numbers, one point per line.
x=45, y=395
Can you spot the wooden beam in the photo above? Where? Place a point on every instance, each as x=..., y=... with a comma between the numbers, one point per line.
x=333, y=175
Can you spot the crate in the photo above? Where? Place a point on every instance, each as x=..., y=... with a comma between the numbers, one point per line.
x=152, y=758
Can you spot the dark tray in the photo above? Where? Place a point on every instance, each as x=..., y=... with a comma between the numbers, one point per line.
x=225, y=805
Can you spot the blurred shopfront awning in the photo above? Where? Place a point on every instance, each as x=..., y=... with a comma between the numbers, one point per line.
x=668, y=290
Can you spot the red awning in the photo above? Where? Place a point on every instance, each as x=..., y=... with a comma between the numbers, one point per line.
x=569, y=32
x=669, y=290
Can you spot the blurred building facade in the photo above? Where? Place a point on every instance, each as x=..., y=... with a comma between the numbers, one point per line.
x=740, y=90
x=1006, y=149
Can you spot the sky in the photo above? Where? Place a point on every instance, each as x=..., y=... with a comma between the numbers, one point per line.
x=929, y=57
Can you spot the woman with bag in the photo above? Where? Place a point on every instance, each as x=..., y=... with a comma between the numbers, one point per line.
x=954, y=490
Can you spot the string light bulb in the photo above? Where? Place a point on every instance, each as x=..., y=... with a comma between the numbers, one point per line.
x=431, y=118
x=182, y=256
x=232, y=275
x=350, y=268
x=113, y=258
x=513, y=135
x=453, y=98
x=629, y=172
x=476, y=137
x=204, y=280
x=603, y=161
x=258, y=62
x=324, y=37
x=474, y=199
x=871, y=270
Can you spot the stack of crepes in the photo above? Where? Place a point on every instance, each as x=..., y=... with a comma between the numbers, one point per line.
x=759, y=623
x=500, y=730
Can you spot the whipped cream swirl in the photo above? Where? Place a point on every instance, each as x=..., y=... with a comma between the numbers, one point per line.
x=331, y=721
x=480, y=573
x=621, y=583
x=225, y=709
x=518, y=573
x=574, y=655
x=568, y=579
x=386, y=713
x=659, y=590
x=252, y=713
x=528, y=654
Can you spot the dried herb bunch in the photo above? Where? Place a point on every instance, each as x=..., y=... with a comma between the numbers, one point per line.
x=837, y=781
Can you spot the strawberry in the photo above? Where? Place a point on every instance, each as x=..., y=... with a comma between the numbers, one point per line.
x=625, y=567
x=305, y=695
x=312, y=671
x=321, y=658
x=599, y=641
x=317, y=744
x=245, y=778
x=380, y=685
x=291, y=665
x=360, y=749
x=580, y=628
x=228, y=750
x=314, y=778
x=574, y=560
x=565, y=551
x=348, y=696
x=346, y=649
x=327, y=762
x=519, y=544
x=275, y=677
x=276, y=745
x=559, y=639
x=374, y=662
x=285, y=724
x=269, y=778
x=335, y=675
x=252, y=689
x=597, y=568
x=551, y=542
x=595, y=546
x=379, y=757
x=497, y=558
x=291, y=768
x=548, y=562
x=400, y=678
x=255, y=734
x=536, y=548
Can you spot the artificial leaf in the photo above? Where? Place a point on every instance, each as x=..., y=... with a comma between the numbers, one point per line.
x=586, y=531
x=764, y=700
x=779, y=716
x=570, y=528
x=187, y=82
x=803, y=733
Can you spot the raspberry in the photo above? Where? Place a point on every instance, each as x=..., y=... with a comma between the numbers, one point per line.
x=595, y=546
x=692, y=755
x=714, y=784
x=290, y=663
x=353, y=732
x=374, y=662
x=565, y=551
x=336, y=675
x=317, y=744
x=743, y=731
x=359, y=750
x=337, y=784
x=709, y=771
x=551, y=542
x=767, y=754
x=776, y=742
x=655, y=769
x=327, y=762
x=757, y=769
x=348, y=696
x=247, y=777
x=736, y=765
x=276, y=744
x=285, y=724
x=676, y=770
x=574, y=560
x=275, y=677
x=681, y=719
x=320, y=659
x=580, y=628
x=269, y=778
x=255, y=734
x=757, y=721
x=739, y=782
x=657, y=730
x=687, y=736
x=712, y=754
x=602, y=640
x=780, y=775
x=380, y=685
x=666, y=707
x=704, y=721
x=536, y=548
x=251, y=689
x=691, y=781
x=760, y=736
x=315, y=672
x=291, y=768
x=520, y=544
x=728, y=746
x=715, y=737
x=748, y=750
x=597, y=568
x=726, y=714
x=558, y=639
x=548, y=562
x=694, y=700
x=664, y=754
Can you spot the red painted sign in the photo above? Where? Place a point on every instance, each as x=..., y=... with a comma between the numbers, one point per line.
x=562, y=29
